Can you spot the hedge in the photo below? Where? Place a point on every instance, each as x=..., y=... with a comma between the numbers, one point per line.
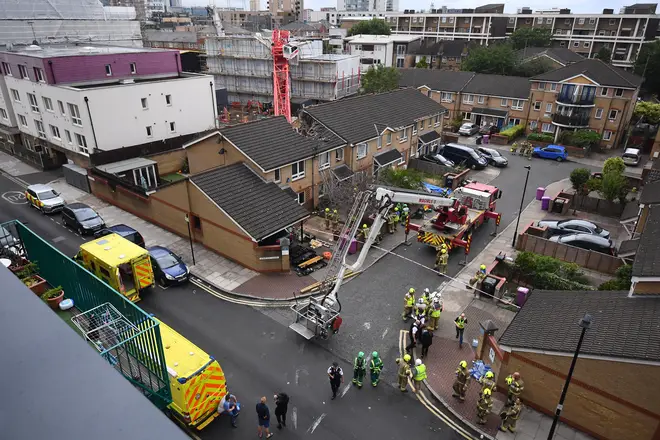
x=513, y=132
x=541, y=137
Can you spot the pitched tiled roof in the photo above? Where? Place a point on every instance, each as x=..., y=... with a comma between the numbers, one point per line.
x=444, y=80
x=650, y=194
x=354, y=119
x=560, y=54
x=647, y=259
x=261, y=209
x=429, y=137
x=499, y=85
x=421, y=48
x=622, y=327
x=630, y=211
x=604, y=74
x=453, y=48
x=272, y=143
x=388, y=157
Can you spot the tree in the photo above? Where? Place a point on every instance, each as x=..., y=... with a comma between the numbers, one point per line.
x=648, y=112
x=613, y=186
x=647, y=65
x=533, y=67
x=375, y=26
x=579, y=178
x=604, y=54
x=531, y=37
x=622, y=281
x=614, y=165
x=422, y=64
x=580, y=138
x=380, y=79
x=497, y=58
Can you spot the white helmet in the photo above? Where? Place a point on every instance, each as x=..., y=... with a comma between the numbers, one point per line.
x=427, y=291
x=418, y=362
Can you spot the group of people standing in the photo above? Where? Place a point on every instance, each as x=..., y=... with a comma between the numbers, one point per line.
x=232, y=407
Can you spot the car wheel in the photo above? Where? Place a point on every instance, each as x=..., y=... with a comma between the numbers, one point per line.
x=473, y=167
x=535, y=155
x=80, y=231
x=560, y=159
x=162, y=282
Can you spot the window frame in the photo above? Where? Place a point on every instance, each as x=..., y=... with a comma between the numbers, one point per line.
x=277, y=175
x=55, y=129
x=297, y=174
x=543, y=125
x=150, y=131
x=108, y=70
x=6, y=68
x=48, y=103
x=468, y=98
x=34, y=103
x=80, y=146
x=599, y=113
x=481, y=99
x=609, y=135
x=74, y=112
x=168, y=100
x=617, y=91
x=443, y=99
x=357, y=150
x=23, y=121
x=144, y=103
x=339, y=154
x=414, y=129
x=133, y=67
x=172, y=127
x=504, y=102
x=604, y=91
x=300, y=195
x=517, y=104
x=23, y=71
x=39, y=75
x=60, y=106
x=323, y=165
x=41, y=130
x=4, y=114
x=538, y=104
x=548, y=108
x=609, y=114
x=69, y=138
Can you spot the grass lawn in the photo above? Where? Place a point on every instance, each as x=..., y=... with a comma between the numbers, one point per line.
x=174, y=177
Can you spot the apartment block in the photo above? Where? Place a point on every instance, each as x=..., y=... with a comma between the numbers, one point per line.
x=380, y=50
x=72, y=102
x=622, y=33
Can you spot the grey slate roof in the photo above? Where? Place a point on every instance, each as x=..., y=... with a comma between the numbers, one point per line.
x=630, y=211
x=353, y=119
x=388, y=157
x=622, y=327
x=342, y=172
x=647, y=259
x=444, y=80
x=272, y=143
x=603, y=73
x=490, y=112
x=453, y=48
x=499, y=85
x=429, y=137
x=260, y=208
x=650, y=194
x=628, y=248
x=560, y=54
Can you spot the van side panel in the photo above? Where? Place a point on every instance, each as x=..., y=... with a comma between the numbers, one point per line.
x=144, y=274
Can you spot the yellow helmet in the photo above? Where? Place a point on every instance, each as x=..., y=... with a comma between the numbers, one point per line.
x=444, y=251
x=364, y=226
x=487, y=392
x=396, y=209
x=411, y=290
x=482, y=267
x=463, y=364
x=489, y=375
x=327, y=209
x=335, y=211
x=406, y=357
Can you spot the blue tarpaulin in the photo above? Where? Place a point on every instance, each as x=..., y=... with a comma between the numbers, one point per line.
x=479, y=369
x=445, y=192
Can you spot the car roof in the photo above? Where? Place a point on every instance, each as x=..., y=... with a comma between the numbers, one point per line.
x=76, y=206
x=577, y=221
x=121, y=228
x=588, y=237
x=632, y=150
x=462, y=147
x=39, y=187
x=556, y=146
x=158, y=251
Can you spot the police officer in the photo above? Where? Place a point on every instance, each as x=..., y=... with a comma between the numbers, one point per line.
x=460, y=328
x=375, y=368
x=328, y=218
x=487, y=381
x=510, y=416
x=461, y=382
x=484, y=405
x=414, y=329
x=408, y=304
x=359, y=369
x=419, y=374
x=404, y=372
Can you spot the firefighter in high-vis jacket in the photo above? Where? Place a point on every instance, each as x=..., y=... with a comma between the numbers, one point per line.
x=408, y=304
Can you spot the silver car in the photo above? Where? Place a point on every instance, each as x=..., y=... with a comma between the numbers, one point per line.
x=468, y=129
x=574, y=226
x=632, y=157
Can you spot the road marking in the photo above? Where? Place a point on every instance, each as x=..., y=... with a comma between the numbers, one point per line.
x=366, y=325
x=294, y=417
x=345, y=390
x=15, y=197
x=164, y=288
x=58, y=239
x=297, y=377
x=384, y=333
x=316, y=423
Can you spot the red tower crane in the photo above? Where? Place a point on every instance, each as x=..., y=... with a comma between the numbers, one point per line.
x=281, y=83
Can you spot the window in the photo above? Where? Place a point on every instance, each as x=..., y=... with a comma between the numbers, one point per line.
x=277, y=178
x=599, y=113
x=592, y=21
x=414, y=129
x=60, y=104
x=55, y=132
x=172, y=127
x=339, y=153
x=34, y=105
x=468, y=99
x=445, y=97
x=301, y=197
x=23, y=120
x=388, y=138
x=75, y=114
x=533, y=125
x=428, y=93
x=324, y=161
x=48, y=104
x=6, y=68
x=467, y=116
x=547, y=128
x=40, y=128
x=435, y=123
x=541, y=86
x=539, y=20
x=612, y=22
x=298, y=170
x=537, y=105
x=514, y=121
x=601, y=33
x=618, y=92
x=404, y=135
x=3, y=113
x=512, y=20
x=82, y=143
x=133, y=68
x=586, y=44
x=576, y=44
x=67, y=133
x=168, y=99
x=607, y=135
x=361, y=150
x=145, y=105
x=612, y=115
x=149, y=132
x=466, y=20
x=567, y=21
x=528, y=21
x=562, y=43
x=548, y=20
x=517, y=104
x=581, y=21
x=553, y=87
x=548, y=107
x=504, y=102
x=603, y=91
x=22, y=70
x=108, y=70
x=39, y=74
x=481, y=99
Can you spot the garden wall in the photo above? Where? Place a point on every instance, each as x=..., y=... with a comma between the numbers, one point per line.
x=429, y=167
x=597, y=205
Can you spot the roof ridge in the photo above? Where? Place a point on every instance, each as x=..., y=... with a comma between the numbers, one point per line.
x=352, y=98
x=201, y=173
x=615, y=70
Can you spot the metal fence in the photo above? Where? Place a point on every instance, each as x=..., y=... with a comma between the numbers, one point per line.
x=138, y=356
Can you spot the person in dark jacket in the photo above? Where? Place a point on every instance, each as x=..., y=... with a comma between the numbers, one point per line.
x=426, y=339
x=263, y=413
x=281, y=406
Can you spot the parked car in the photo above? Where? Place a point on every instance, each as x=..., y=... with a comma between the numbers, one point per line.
x=168, y=266
x=125, y=231
x=468, y=156
x=44, y=198
x=468, y=129
x=632, y=157
x=587, y=241
x=493, y=156
x=554, y=152
x=82, y=218
x=439, y=159
x=573, y=226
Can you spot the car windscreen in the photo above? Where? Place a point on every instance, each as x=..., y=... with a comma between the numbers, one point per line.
x=475, y=155
x=167, y=261
x=85, y=214
x=46, y=195
x=494, y=153
x=630, y=156
x=598, y=229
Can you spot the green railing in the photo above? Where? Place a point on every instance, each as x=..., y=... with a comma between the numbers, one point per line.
x=138, y=354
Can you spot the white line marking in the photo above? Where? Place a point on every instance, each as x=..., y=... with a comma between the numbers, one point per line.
x=316, y=424
x=366, y=325
x=294, y=417
x=164, y=288
x=384, y=333
x=345, y=390
x=298, y=377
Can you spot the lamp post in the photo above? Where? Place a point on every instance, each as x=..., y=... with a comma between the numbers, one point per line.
x=192, y=251
x=522, y=200
x=585, y=323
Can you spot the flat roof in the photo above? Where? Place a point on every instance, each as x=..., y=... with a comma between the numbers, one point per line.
x=329, y=57
x=113, y=249
x=126, y=165
x=71, y=51
x=375, y=39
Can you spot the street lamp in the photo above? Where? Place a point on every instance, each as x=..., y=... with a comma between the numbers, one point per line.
x=192, y=251
x=522, y=200
x=585, y=323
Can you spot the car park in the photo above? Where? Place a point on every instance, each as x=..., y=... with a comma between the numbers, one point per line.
x=168, y=267
x=125, y=231
x=573, y=226
x=438, y=158
x=468, y=129
x=632, y=157
x=587, y=241
x=462, y=154
x=553, y=152
x=82, y=218
x=44, y=198
x=493, y=156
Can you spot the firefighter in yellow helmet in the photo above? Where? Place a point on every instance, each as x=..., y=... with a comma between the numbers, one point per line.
x=404, y=372
x=478, y=277
x=510, y=416
x=487, y=381
x=515, y=388
x=408, y=304
x=328, y=218
x=364, y=233
x=397, y=218
x=335, y=220
x=484, y=406
x=443, y=262
x=462, y=380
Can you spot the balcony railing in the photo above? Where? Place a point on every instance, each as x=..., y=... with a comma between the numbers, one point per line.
x=575, y=100
x=571, y=121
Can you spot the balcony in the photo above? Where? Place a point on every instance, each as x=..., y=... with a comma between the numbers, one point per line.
x=573, y=121
x=579, y=100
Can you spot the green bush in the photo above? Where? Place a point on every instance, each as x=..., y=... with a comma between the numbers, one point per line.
x=513, y=132
x=622, y=280
x=541, y=137
x=407, y=179
x=548, y=273
x=580, y=138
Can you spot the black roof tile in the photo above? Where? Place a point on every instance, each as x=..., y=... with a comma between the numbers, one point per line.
x=647, y=258
x=261, y=209
x=342, y=172
x=490, y=112
x=650, y=194
x=444, y=80
x=596, y=70
x=560, y=54
x=272, y=143
x=630, y=211
x=429, y=137
x=388, y=157
x=628, y=248
x=467, y=82
x=355, y=119
x=499, y=85
x=622, y=327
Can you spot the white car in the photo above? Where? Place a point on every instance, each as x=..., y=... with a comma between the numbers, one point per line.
x=468, y=129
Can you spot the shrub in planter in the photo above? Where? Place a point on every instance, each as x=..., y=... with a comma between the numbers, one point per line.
x=513, y=132
x=27, y=270
x=53, y=297
x=36, y=284
x=540, y=137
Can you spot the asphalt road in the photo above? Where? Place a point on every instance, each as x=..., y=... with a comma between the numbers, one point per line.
x=260, y=357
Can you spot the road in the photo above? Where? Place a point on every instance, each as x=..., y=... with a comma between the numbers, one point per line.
x=260, y=357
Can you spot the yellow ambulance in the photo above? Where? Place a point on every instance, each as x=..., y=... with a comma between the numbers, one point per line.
x=122, y=264
x=197, y=381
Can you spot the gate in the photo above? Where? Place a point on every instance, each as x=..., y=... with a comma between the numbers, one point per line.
x=138, y=355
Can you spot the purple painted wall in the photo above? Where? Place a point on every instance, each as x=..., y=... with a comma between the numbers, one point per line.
x=84, y=68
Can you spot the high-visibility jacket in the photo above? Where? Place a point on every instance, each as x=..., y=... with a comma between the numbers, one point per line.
x=460, y=322
x=444, y=259
x=435, y=312
x=377, y=365
x=420, y=372
x=410, y=300
x=359, y=364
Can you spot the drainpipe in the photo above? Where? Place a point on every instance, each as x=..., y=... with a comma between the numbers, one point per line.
x=91, y=123
x=52, y=71
x=215, y=116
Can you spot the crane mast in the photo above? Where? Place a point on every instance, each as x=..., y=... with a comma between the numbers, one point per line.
x=281, y=81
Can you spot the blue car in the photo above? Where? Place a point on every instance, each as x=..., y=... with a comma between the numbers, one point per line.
x=168, y=267
x=554, y=152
